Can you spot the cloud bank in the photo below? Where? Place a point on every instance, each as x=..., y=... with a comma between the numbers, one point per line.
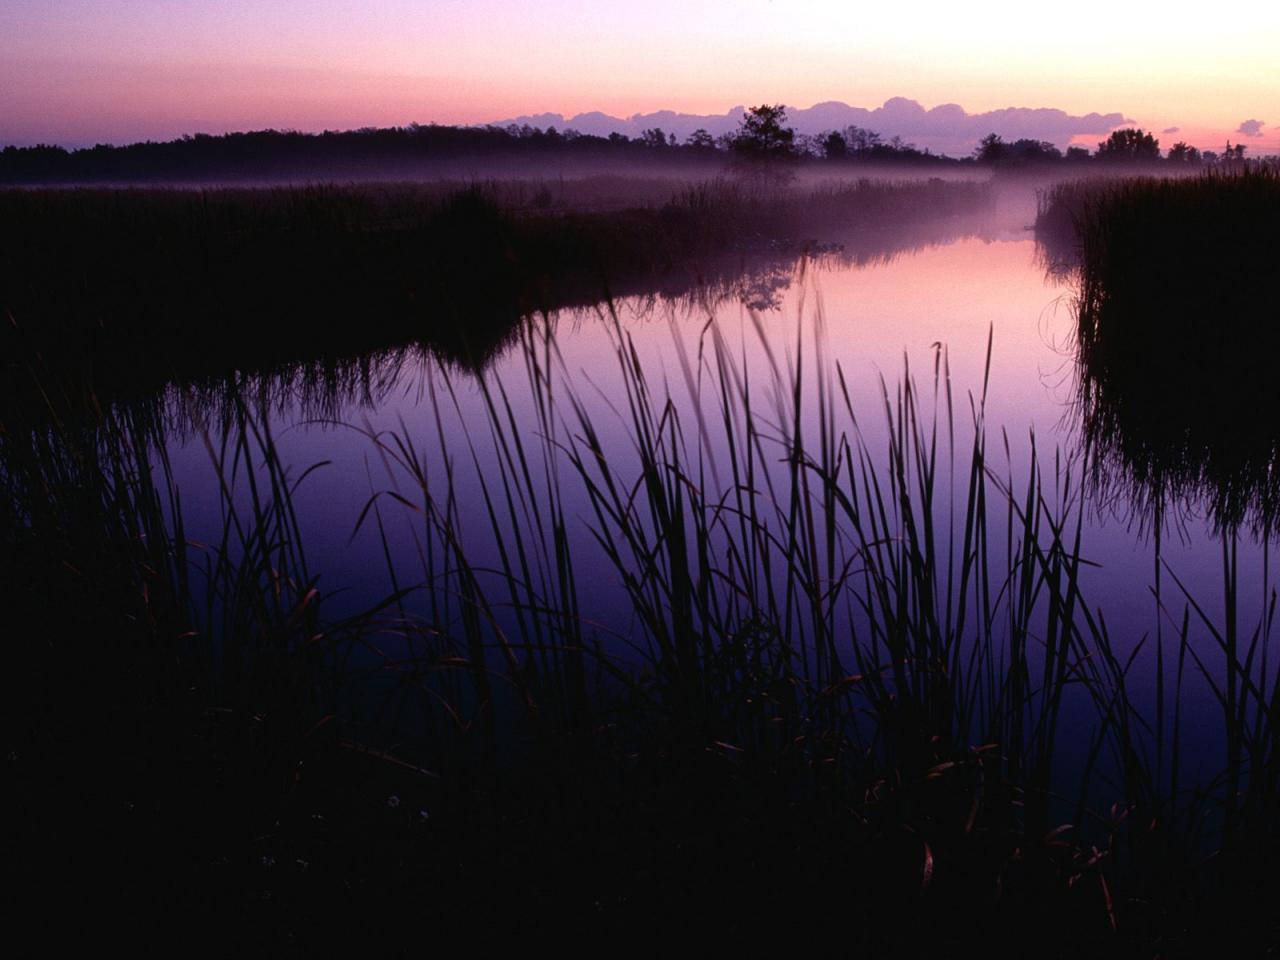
x=947, y=128
x=1251, y=128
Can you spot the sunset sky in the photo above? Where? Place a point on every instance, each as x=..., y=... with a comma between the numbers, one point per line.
x=83, y=71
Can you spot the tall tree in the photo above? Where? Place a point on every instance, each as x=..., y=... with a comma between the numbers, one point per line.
x=991, y=148
x=763, y=147
x=1131, y=143
x=761, y=133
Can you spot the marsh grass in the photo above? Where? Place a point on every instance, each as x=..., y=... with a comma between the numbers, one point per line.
x=852, y=674
x=1176, y=320
x=132, y=289
x=854, y=654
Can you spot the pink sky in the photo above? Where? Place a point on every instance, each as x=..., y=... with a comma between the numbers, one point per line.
x=78, y=71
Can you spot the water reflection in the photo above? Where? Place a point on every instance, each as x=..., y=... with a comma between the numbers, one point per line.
x=1182, y=428
x=465, y=329
x=350, y=415
x=1176, y=394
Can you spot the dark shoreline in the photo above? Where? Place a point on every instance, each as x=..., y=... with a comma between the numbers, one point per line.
x=129, y=290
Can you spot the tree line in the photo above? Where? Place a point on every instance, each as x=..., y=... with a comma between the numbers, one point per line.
x=762, y=141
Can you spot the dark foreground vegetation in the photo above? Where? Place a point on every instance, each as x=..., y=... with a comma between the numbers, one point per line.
x=1178, y=327
x=851, y=691
x=855, y=688
x=127, y=290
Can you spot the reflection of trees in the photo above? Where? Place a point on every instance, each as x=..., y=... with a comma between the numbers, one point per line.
x=475, y=317
x=764, y=290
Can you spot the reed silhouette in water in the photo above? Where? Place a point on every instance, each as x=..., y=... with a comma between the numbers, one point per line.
x=875, y=746
x=851, y=703
x=1179, y=327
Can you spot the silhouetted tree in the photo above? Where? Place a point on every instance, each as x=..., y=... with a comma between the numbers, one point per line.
x=761, y=132
x=1033, y=150
x=1131, y=143
x=834, y=146
x=1180, y=152
x=654, y=137
x=764, y=147
x=991, y=149
x=809, y=146
x=861, y=140
x=700, y=140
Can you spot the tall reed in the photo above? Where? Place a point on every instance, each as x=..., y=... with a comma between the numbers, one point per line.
x=874, y=619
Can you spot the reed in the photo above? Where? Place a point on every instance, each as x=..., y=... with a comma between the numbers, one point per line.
x=131, y=289
x=848, y=671
x=1175, y=323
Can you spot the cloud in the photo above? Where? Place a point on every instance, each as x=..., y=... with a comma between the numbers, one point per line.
x=1170, y=129
x=1251, y=128
x=947, y=128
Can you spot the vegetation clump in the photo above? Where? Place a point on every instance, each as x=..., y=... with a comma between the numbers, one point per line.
x=132, y=289
x=1177, y=325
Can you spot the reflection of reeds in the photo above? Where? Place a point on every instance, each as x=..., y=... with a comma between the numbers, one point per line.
x=1177, y=320
x=132, y=289
x=855, y=624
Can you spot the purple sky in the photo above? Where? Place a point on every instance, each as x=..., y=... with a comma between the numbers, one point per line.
x=77, y=71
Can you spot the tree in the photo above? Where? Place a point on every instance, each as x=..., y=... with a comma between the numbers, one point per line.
x=991, y=149
x=700, y=140
x=1130, y=143
x=861, y=140
x=761, y=133
x=807, y=146
x=654, y=137
x=763, y=147
x=1180, y=152
x=834, y=146
x=1034, y=150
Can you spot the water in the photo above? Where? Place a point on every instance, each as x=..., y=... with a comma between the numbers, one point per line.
x=878, y=320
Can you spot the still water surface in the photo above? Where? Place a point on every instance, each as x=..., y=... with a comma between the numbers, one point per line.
x=878, y=322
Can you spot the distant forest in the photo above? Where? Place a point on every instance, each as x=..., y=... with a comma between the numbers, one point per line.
x=419, y=149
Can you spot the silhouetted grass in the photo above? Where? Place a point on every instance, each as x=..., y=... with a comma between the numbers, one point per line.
x=127, y=290
x=1178, y=324
x=853, y=683
x=838, y=687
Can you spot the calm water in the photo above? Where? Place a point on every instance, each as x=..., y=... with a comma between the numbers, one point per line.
x=878, y=321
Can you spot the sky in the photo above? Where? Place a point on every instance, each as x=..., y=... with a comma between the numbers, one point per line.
x=85, y=71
